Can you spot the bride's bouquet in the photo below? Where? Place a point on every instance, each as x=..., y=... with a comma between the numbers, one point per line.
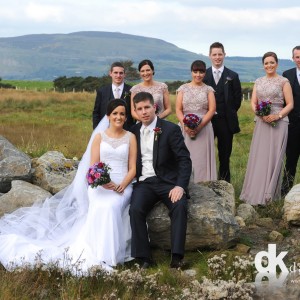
x=263, y=108
x=98, y=174
x=192, y=121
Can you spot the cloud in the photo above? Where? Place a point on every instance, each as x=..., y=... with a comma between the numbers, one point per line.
x=43, y=12
x=247, y=27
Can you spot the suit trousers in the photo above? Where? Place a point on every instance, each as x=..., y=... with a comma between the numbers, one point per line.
x=292, y=156
x=224, y=142
x=145, y=195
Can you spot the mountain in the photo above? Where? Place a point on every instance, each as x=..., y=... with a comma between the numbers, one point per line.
x=90, y=53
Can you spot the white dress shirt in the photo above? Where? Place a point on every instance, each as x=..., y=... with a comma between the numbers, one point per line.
x=120, y=87
x=147, y=151
x=214, y=70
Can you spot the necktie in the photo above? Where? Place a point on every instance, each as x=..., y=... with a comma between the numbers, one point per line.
x=117, y=93
x=146, y=134
x=217, y=76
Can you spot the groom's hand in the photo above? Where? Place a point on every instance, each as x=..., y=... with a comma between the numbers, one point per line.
x=176, y=193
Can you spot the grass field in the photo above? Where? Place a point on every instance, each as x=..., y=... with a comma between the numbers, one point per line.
x=37, y=122
x=30, y=84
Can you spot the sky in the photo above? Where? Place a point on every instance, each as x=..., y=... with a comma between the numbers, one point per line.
x=246, y=28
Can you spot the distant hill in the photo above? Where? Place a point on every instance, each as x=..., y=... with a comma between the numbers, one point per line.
x=90, y=53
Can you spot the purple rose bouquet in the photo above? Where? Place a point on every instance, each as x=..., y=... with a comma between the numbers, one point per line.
x=98, y=174
x=263, y=108
x=191, y=121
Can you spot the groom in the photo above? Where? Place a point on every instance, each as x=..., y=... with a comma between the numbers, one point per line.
x=163, y=171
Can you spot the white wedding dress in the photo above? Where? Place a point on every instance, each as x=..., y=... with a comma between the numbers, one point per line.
x=80, y=227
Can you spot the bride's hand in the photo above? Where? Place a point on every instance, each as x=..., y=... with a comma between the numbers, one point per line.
x=110, y=186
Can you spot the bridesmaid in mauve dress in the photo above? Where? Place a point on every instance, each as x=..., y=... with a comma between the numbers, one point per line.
x=262, y=182
x=198, y=98
x=159, y=90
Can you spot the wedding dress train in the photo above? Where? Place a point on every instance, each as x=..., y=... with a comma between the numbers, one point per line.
x=78, y=228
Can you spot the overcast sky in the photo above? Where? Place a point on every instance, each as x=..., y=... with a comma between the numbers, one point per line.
x=246, y=28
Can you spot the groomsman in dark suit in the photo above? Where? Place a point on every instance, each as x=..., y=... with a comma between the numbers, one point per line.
x=293, y=143
x=163, y=172
x=228, y=93
x=116, y=90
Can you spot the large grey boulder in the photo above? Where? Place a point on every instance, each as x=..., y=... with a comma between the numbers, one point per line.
x=21, y=194
x=14, y=165
x=53, y=172
x=211, y=221
x=291, y=206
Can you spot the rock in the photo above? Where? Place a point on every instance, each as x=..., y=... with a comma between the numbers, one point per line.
x=53, y=172
x=240, y=221
x=211, y=222
x=14, y=165
x=21, y=194
x=242, y=248
x=275, y=236
x=247, y=212
x=265, y=222
x=291, y=206
x=278, y=287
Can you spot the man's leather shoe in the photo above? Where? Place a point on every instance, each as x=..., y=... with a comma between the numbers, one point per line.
x=178, y=264
x=145, y=265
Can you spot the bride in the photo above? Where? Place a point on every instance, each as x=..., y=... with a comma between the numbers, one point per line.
x=80, y=227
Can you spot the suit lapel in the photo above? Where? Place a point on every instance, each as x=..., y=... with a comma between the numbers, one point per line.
x=139, y=153
x=294, y=78
x=226, y=85
x=156, y=143
x=210, y=78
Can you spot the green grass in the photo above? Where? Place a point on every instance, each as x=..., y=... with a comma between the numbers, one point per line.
x=31, y=84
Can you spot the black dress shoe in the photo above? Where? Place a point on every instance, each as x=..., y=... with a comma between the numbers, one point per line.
x=178, y=264
x=146, y=263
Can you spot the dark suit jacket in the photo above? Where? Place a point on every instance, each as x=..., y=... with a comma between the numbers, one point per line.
x=104, y=95
x=232, y=94
x=291, y=75
x=171, y=158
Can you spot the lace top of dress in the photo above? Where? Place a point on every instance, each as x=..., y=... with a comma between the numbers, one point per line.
x=271, y=89
x=156, y=90
x=195, y=99
x=114, y=152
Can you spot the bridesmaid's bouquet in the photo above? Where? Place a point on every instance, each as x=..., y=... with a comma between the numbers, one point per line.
x=191, y=121
x=98, y=174
x=263, y=108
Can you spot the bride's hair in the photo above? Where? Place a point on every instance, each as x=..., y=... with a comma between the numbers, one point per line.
x=113, y=104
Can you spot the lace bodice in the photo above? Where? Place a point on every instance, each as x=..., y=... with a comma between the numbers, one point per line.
x=115, y=152
x=271, y=89
x=195, y=98
x=156, y=90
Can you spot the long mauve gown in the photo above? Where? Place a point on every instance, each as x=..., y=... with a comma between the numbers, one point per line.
x=202, y=148
x=262, y=182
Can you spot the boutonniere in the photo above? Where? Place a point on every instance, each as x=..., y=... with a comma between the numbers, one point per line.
x=126, y=94
x=157, y=132
x=228, y=79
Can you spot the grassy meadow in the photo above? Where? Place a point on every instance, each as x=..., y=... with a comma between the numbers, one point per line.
x=36, y=122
